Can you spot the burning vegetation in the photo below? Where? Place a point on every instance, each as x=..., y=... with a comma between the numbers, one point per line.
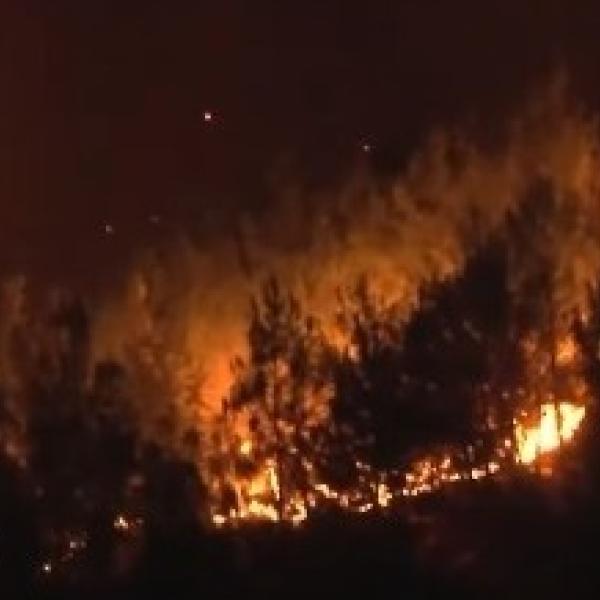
x=435, y=332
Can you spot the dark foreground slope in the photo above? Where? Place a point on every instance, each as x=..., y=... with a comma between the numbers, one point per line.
x=485, y=540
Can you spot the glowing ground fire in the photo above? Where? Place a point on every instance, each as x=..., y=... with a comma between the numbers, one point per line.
x=535, y=439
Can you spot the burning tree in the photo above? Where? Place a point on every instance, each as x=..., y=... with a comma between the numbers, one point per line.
x=281, y=393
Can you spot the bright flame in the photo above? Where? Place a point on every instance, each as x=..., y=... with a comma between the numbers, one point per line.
x=246, y=448
x=554, y=428
x=121, y=523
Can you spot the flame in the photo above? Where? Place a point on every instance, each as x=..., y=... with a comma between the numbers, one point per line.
x=566, y=351
x=553, y=428
x=554, y=424
x=258, y=496
x=121, y=523
x=246, y=448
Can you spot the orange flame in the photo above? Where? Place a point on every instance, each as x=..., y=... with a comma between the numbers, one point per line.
x=554, y=428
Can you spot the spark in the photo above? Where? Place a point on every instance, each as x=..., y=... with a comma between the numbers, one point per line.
x=121, y=523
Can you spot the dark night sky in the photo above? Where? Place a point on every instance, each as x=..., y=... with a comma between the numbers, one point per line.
x=102, y=103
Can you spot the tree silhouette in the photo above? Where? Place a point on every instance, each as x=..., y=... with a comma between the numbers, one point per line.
x=443, y=377
x=368, y=378
x=72, y=452
x=587, y=334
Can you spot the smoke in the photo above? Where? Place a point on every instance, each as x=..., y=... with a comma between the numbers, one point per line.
x=454, y=193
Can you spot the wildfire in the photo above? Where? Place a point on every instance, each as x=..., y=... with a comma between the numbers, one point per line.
x=535, y=435
x=258, y=496
x=404, y=242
